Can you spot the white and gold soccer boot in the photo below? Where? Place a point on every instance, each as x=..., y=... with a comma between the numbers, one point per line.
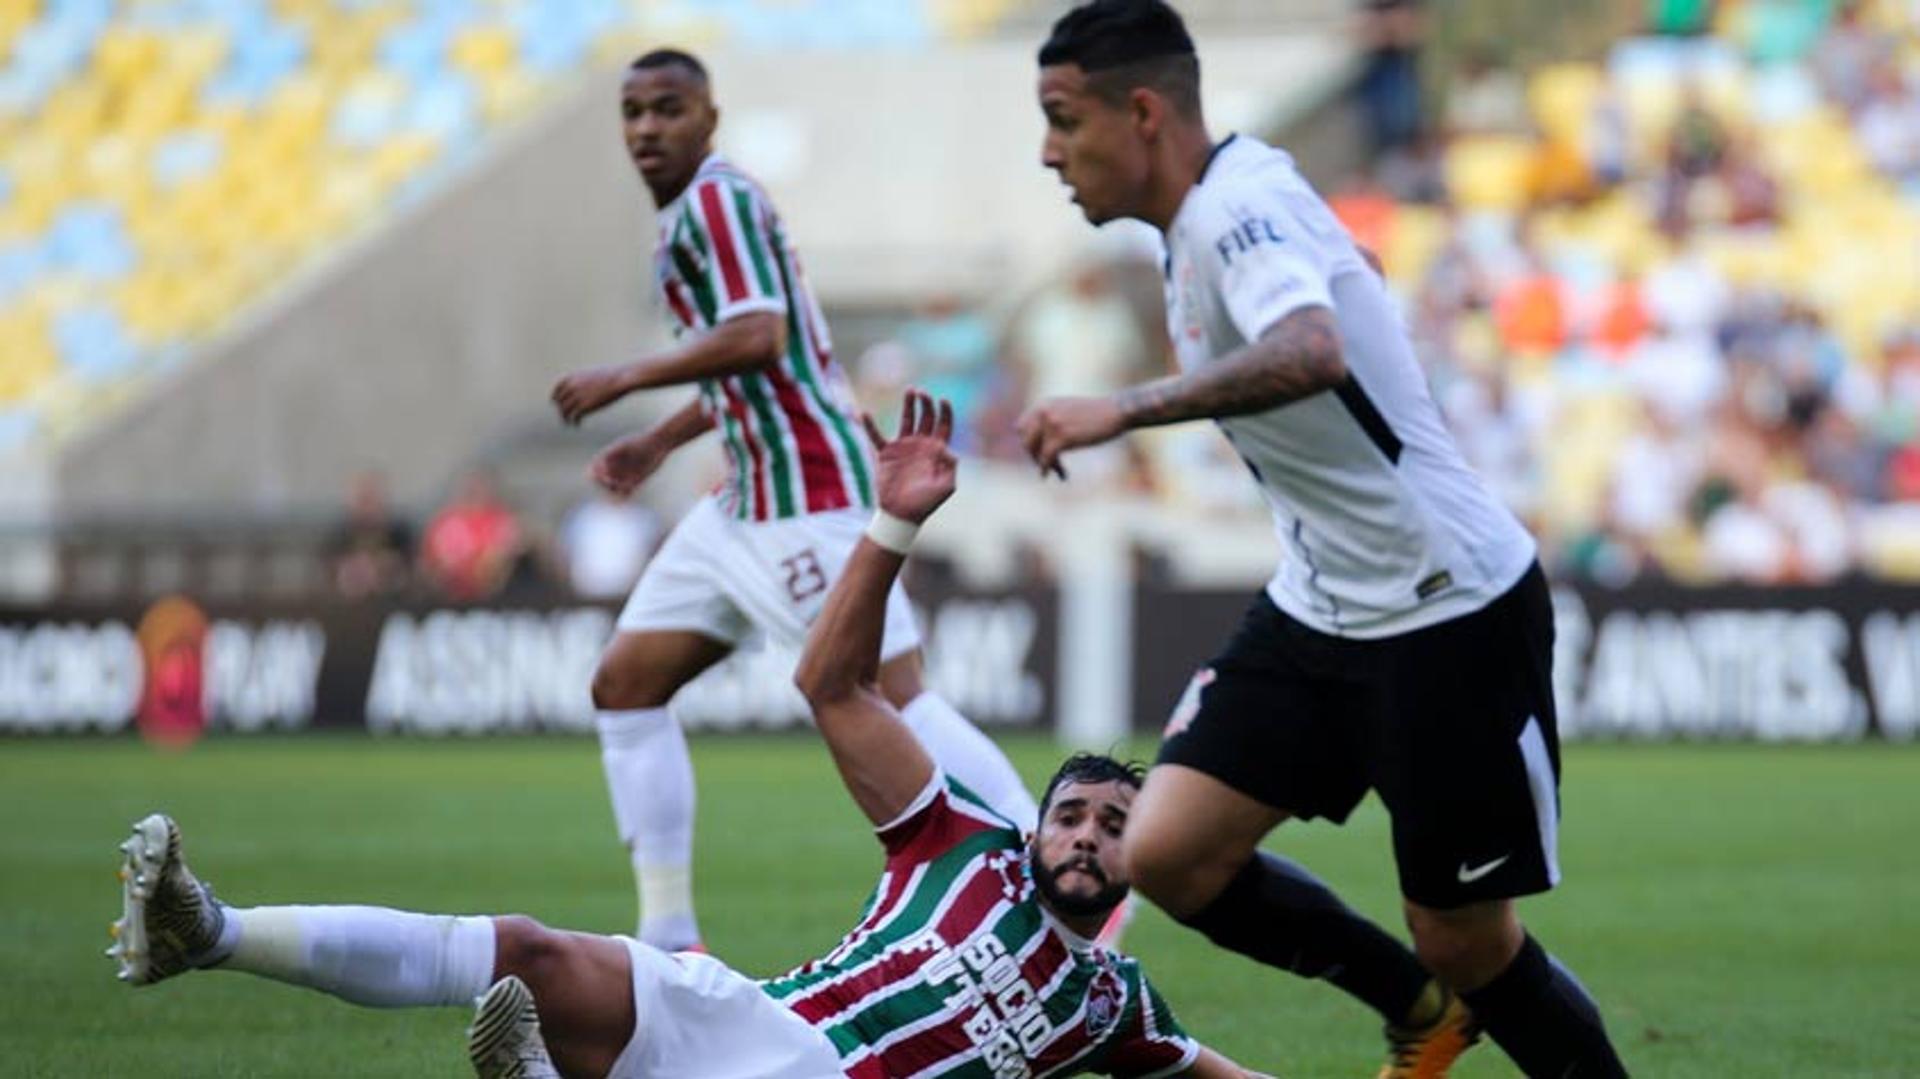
x=504, y=1041
x=169, y=920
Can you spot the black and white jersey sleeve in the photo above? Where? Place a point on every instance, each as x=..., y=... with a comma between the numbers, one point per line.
x=1385, y=527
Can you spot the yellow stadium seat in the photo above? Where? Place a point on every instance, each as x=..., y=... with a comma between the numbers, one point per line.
x=1562, y=98
x=965, y=19
x=196, y=55
x=400, y=157
x=124, y=56
x=1489, y=172
x=508, y=94
x=31, y=359
x=484, y=50
x=1417, y=235
x=75, y=112
x=15, y=16
x=113, y=164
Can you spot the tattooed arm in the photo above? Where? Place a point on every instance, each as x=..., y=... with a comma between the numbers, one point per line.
x=1296, y=357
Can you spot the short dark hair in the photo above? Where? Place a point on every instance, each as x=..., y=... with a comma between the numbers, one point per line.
x=1124, y=45
x=659, y=58
x=1093, y=768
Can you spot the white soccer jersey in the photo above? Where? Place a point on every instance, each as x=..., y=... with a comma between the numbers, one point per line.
x=1386, y=527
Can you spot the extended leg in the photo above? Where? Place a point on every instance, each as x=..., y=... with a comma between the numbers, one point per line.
x=1532, y=1007
x=649, y=774
x=371, y=956
x=1191, y=847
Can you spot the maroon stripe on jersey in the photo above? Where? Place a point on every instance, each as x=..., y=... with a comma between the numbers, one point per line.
x=722, y=233
x=819, y=468
x=678, y=301
x=1044, y=963
x=931, y=832
x=972, y=902
x=867, y=1068
x=831, y=998
x=1066, y=1045
x=737, y=408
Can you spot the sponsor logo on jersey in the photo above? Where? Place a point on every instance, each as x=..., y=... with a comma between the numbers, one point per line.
x=1006, y=1017
x=1250, y=233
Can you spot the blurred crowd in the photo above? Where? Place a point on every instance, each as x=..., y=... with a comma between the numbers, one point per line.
x=1669, y=298
x=478, y=546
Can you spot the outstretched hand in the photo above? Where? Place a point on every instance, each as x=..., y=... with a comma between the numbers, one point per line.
x=628, y=463
x=583, y=393
x=1059, y=424
x=917, y=470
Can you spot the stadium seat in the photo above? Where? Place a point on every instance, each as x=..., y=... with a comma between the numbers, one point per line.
x=163, y=163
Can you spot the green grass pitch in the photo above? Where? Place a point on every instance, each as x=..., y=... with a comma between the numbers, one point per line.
x=1750, y=911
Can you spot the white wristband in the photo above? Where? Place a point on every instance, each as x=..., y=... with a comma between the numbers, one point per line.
x=891, y=532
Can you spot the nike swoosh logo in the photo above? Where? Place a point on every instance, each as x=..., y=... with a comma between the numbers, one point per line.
x=1469, y=875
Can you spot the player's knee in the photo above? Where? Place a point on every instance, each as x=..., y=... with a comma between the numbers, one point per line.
x=1161, y=870
x=525, y=948
x=1465, y=948
x=619, y=687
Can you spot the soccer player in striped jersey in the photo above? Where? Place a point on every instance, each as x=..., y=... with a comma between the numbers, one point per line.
x=973, y=959
x=759, y=553
x=1404, y=646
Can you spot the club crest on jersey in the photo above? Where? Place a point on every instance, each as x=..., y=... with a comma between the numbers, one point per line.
x=1103, y=1002
x=1188, y=706
x=1248, y=234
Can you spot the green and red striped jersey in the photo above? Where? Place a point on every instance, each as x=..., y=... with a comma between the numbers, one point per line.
x=956, y=971
x=792, y=444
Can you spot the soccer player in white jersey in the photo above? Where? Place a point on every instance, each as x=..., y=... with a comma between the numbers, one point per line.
x=1405, y=644
x=973, y=958
x=759, y=553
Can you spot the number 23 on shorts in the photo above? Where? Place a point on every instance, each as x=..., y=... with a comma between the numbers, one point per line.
x=805, y=577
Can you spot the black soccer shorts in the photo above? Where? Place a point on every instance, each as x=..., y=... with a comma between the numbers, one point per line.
x=1453, y=725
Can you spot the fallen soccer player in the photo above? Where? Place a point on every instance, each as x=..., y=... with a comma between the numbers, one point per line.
x=976, y=954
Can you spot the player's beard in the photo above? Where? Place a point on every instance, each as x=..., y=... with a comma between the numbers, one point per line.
x=1047, y=880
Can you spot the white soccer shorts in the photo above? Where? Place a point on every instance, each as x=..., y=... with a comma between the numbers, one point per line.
x=696, y=1016
x=725, y=578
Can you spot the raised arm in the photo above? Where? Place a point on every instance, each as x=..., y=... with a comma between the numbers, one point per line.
x=1296, y=357
x=627, y=463
x=752, y=341
x=882, y=763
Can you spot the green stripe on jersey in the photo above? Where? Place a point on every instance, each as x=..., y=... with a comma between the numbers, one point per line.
x=695, y=231
x=800, y=349
x=695, y=281
x=736, y=449
x=781, y=479
x=909, y=919
x=750, y=235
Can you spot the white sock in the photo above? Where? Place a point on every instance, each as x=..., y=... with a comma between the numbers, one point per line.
x=367, y=955
x=968, y=755
x=650, y=777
